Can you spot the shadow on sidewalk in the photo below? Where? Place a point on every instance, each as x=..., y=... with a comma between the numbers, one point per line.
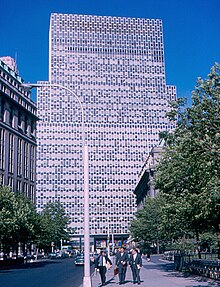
x=169, y=268
x=113, y=280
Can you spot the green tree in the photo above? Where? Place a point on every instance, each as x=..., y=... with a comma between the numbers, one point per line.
x=7, y=216
x=189, y=171
x=27, y=221
x=146, y=226
x=18, y=219
x=54, y=223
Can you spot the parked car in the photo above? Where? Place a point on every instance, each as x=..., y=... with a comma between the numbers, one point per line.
x=40, y=255
x=79, y=261
x=29, y=257
x=53, y=255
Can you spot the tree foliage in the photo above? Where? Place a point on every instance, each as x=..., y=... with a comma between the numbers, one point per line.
x=190, y=169
x=146, y=225
x=20, y=222
x=7, y=216
x=188, y=175
x=18, y=218
x=53, y=224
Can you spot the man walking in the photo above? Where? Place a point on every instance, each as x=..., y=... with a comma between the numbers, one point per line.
x=135, y=263
x=100, y=265
x=122, y=260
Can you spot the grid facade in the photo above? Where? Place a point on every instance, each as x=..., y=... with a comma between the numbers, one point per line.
x=116, y=67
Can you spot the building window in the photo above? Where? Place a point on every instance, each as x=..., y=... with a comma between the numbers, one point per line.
x=10, y=181
x=1, y=179
x=26, y=160
x=32, y=193
x=25, y=189
x=32, y=127
x=11, y=153
x=11, y=116
x=19, y=170
x=32, y=163
x=19, y=119
x=2, y=148
x=2, y=109
x=26, y=124
x=19, y=185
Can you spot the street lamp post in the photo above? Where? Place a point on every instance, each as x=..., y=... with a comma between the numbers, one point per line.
x=113, y=243
x=108, y=239
x=86, y=278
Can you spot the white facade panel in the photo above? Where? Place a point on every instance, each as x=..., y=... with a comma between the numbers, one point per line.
x=116, y=67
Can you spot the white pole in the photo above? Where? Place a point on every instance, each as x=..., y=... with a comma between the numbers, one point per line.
x=86, y=279
x=108, y=239
x=113, y=244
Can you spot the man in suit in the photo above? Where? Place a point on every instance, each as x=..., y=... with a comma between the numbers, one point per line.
x=135, y=262
x=122, y=260
x=100, y=265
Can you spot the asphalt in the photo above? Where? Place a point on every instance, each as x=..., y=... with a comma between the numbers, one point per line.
x=159, y=274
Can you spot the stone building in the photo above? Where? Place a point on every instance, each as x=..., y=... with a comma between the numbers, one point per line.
x=17, y=132
x=145, y=185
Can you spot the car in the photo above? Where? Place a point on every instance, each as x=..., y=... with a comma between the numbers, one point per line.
x=79, y=261
x=52, y=255
x=59, y=255
x=39, y=255
x=29, y=257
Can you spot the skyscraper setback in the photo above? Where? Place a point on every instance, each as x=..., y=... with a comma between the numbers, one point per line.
x=116, y=67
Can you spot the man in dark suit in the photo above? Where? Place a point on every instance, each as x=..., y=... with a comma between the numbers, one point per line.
x=101, y=266
x=122, y=260
x=135, y=263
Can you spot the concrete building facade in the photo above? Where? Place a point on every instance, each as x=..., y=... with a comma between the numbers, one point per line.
x=17, y=132
x=116, y=67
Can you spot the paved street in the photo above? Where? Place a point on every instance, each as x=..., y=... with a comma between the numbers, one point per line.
x=48, y=273
x=157, y=273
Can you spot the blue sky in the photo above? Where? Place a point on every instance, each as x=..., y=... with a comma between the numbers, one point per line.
x=191, y=33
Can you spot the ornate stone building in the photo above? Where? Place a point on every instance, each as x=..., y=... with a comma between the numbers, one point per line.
x=145, y=185
x=17, y=132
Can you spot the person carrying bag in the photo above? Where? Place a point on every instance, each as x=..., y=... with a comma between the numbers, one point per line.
x=101, y=264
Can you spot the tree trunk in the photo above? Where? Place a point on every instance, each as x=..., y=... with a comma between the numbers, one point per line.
x=158, y=247
x=198, y=244
x=16, y=246
x=218, y=238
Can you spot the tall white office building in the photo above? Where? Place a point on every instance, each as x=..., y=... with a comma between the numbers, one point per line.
x=116, y=67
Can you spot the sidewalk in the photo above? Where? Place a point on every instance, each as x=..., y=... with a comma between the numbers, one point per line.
x=160, y=274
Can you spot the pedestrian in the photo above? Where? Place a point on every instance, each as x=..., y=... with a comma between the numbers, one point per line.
x=101, y=266
x=122, y=260
x=136, y=263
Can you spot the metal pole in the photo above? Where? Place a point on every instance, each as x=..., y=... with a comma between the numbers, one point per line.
x=80, y=244
x=113, y=244
x=108, y=240
x=87, y=278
